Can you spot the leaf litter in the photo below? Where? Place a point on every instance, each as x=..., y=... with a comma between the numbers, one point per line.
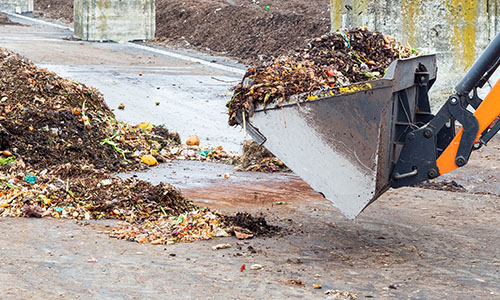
x=60, y=146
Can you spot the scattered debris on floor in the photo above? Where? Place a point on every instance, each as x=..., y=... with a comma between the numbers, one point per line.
x=198, y=224
x=340, y=295
x=294, y=282
x=256, y=225
x=256, y=267
x=258, y=159
x=221, y=246
x=442, y=185
x=327, y=63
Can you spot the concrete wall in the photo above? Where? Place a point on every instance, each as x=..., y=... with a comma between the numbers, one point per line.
x=16, y=6
x=457, y=30
x=114, y=20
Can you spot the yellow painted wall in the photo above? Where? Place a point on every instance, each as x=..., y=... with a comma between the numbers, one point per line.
x=463, y=15
x=457, y=29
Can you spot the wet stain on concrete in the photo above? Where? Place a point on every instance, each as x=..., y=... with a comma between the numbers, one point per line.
x=246, y=195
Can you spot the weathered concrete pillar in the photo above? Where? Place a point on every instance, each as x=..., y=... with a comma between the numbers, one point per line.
x=114, y=20
x=16, y=6
x=458, y=30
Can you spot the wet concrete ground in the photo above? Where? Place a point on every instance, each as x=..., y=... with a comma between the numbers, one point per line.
x=412, y=243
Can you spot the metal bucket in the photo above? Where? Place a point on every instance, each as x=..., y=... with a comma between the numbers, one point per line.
x=344, y=141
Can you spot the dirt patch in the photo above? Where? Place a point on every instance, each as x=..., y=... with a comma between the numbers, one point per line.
x=61, y=10
x=257, y=225
x=241, y=28
x=442, y=185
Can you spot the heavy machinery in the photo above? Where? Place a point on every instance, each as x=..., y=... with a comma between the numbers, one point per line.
x=356, y=143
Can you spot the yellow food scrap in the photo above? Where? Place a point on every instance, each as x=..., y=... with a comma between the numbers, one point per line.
x=146, y=126
x=355, y=88
x=149, y=160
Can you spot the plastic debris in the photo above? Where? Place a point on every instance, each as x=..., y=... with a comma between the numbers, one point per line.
x=221, y=246
x=256, y=267
x=242, y=268
x=121, y=106
x=31, y=179
x=92, y=260
x=280, y=203
x=267, y=7
x=204, y=152
x=316, y=286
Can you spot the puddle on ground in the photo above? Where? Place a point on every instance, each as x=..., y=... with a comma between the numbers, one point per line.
x=204, y=182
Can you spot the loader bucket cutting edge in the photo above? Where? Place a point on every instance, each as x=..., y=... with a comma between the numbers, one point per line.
x=343, y=146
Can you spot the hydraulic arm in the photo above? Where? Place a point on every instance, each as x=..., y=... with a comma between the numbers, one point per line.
x=423, y=155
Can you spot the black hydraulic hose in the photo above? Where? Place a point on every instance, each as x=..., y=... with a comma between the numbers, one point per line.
x=490, y=72
x=484, y=63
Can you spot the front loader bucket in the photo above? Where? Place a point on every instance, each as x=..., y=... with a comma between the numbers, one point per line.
x=343, y=141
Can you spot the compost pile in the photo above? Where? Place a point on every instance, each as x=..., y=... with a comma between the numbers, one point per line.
x=326, y=63
x=60, y=145
x=257, y=158
x=4, y=20
x=47, y=121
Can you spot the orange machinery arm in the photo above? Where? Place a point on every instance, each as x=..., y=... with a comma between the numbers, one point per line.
x=486, y=114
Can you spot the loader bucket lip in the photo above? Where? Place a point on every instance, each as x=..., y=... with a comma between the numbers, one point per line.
x=388, y=80
x=321, y=94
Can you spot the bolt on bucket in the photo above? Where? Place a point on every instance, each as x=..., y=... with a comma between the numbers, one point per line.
x=342, y=141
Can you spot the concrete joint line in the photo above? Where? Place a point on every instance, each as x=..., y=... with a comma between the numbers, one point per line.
x=188, y=58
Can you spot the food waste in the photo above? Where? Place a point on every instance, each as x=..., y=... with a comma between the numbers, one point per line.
x=325, y=63
x=60, y=146
x=257, y=158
